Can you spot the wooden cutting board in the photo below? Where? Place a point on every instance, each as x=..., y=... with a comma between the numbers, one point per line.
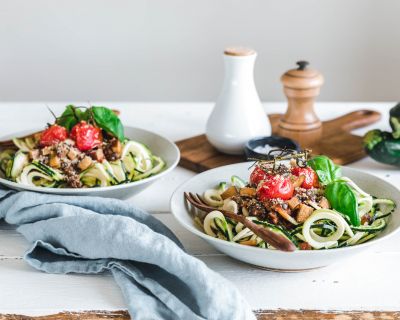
x=337, y=142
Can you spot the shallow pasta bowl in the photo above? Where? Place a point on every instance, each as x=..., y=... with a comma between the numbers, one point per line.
x=273, y=259
x=159, y=145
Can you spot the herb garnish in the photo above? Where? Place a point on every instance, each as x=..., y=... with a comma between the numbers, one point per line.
x=101, y=116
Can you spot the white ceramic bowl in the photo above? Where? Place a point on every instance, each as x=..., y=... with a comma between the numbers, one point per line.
x=159, y=145
x=273, y=259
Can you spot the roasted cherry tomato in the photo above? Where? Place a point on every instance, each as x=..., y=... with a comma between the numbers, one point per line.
x=275, y=187
x=86, y=136
x=310, y=176
x=258, y=175
x=53, y=135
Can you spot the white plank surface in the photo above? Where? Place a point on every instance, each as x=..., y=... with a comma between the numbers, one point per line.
x=366, y=282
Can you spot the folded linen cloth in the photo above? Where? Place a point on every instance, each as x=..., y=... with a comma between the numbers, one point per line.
x=91, y=235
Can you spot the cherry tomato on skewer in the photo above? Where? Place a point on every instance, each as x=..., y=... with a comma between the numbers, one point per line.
x=310, y=176
x=275, y=187
x=257, y=176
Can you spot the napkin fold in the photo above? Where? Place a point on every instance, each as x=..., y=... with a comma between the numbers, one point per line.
x=158, y=279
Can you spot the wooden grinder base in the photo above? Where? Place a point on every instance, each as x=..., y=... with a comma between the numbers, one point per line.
x=198, y=155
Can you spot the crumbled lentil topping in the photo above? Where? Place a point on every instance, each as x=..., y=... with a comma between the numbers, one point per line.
x=65, y=157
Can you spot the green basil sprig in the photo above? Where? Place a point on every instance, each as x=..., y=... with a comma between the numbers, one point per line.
x=106, y=119
x=103, y=117
x=343, y=199
x=339, y=194
x=71, y=116
x=326, y=170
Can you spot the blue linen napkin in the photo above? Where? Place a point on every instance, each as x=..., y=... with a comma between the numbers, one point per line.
x=91, y=235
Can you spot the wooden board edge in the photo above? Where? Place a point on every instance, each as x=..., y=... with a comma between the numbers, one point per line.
x=81, y=315
x=326, y=315
x=261, y=315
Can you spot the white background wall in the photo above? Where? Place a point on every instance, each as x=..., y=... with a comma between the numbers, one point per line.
x=170, y=50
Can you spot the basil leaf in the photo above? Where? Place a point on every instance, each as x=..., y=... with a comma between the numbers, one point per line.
x=68, y=118
x=342, y=199
x=106, y=119
x=326, y=170
x=82, y=115
x=339, y=194
x=71, y=116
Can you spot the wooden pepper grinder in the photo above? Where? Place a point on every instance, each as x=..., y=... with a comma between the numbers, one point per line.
x=300, y=122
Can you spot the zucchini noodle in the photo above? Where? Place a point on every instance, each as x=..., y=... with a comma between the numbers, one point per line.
x=245, y=233
x=386, y=207
x=213, y=198
x=323, y=229
x=137, y=162
x=230, y=205
x=354, y=239
x=239, y=227
x=319, y=242
x=209, y=222
x=364, y=199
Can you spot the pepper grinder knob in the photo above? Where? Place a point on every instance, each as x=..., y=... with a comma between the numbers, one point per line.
x=302, y=64
x=301, y=87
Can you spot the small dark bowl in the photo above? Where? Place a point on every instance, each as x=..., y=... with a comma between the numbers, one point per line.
x=273, y=141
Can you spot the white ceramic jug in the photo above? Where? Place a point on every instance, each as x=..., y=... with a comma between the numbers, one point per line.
x=238, y=115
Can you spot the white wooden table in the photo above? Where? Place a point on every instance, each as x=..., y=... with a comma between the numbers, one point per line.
x=369, y=282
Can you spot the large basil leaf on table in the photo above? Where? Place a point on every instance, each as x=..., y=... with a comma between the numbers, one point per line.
x=326, y=170
x=342, y=199
x=106, y=119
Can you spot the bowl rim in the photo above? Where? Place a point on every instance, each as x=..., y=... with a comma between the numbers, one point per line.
x=175, y=196
x=16, y=185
